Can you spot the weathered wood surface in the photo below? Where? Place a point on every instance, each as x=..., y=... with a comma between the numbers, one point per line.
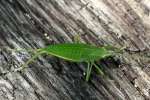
x=23, y=24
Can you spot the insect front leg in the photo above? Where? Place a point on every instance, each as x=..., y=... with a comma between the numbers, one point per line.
x=98, y=69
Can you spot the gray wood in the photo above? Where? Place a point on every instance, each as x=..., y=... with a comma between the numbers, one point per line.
x=27, y=24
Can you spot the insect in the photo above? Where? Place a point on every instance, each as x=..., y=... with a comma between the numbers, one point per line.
x=77, y=52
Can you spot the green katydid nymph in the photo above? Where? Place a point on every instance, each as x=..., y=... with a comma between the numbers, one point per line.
x=77, y=52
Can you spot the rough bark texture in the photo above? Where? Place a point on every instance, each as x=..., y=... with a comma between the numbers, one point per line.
x=25, y=23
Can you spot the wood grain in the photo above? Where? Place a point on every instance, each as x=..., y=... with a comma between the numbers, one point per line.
x=27, y=24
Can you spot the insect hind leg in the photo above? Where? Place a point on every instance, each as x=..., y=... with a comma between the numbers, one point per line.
x=29, y=61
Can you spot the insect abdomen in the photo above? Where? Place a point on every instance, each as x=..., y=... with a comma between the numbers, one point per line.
x=73, y=52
